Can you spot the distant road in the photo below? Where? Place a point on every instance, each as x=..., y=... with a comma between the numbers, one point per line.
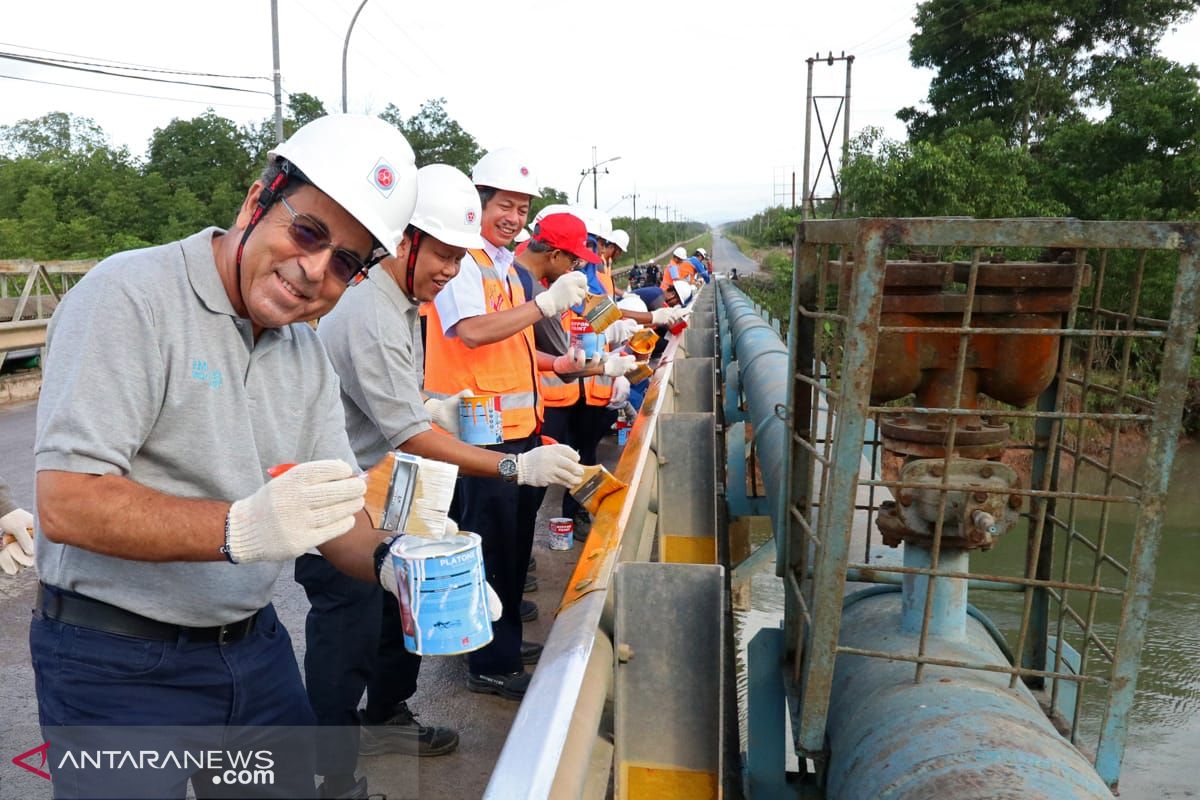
x=16, y=449
x=726, y=256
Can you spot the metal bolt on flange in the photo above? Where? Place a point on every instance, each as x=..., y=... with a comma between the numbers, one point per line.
x=624, y=652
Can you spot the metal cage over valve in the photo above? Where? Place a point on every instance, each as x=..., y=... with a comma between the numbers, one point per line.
x=974, y=405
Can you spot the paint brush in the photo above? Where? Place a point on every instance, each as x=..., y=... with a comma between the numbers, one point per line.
x=597, y=483
x=404, y=493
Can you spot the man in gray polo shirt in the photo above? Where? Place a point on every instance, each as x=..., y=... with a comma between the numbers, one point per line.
x=353, y=632
x=175, y=377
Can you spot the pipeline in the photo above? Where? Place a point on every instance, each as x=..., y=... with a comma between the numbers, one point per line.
x=958, y=733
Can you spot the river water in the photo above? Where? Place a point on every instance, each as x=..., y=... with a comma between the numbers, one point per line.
x=1162, y=758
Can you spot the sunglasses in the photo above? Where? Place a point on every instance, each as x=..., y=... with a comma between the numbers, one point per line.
x=312, y=237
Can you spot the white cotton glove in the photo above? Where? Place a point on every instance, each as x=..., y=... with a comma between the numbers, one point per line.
x=616, y=365
x=444, y=413
x=16, y=545
x=550, y=463
x=668, y=315
x=567, y=291
x=620, y=393
x=304, y=507
x=621, y=330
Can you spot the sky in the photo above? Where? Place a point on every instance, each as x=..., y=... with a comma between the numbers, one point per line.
x=701, y=105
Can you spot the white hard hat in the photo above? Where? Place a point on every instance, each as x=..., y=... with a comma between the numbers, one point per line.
x=684, y=290
x=506, y=169
x=620, y=238
x=448, y=207
x=554, y=208
x=364, y=164
x=632, y=301
x=521, y=236
x=680, y=253
x=598, y=223
x=702, y=251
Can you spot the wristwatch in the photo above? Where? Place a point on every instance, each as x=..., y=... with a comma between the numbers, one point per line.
x=508, y=468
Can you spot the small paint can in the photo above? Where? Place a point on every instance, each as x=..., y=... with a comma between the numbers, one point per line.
x=600, y=311
x=479, y=420
x=562, y=533
x=443, y=594
x=642, y=343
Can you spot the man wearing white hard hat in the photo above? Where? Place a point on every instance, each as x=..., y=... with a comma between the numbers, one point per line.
x=175, y=377
x=678, y=269
x=480, y=341
x=355, y=636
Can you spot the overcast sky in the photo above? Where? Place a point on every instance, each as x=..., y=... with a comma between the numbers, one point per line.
x=703, y=102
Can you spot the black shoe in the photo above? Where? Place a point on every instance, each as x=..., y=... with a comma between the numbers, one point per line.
x=511, y=685
x=529, y=611
x=583, y=525
x=532, y=564
x=403, y=734
x=358, y=791
x=530, y=652
x=531, y=584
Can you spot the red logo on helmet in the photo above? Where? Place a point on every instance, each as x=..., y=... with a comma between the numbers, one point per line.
x=525, y=171
x=384, y=177
x=470, y=216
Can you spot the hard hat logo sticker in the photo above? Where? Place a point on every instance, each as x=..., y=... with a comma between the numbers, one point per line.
x=383, y=177
x=470, y=216
x=525, y=171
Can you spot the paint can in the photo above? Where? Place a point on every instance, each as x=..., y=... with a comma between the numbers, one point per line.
x=443, y=594
x=600, y=311
x=584, y=337
x=479, y=420
x=642, y=343
x=562, y=533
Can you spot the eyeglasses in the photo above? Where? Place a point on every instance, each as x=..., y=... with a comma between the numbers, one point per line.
x=576, y=261
x=311, y=237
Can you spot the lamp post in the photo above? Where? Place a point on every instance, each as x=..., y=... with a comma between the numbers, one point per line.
x=346, y=50
x=594, y=173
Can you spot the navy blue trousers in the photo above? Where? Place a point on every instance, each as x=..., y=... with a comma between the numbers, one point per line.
x=93, y=688
x=504, y=515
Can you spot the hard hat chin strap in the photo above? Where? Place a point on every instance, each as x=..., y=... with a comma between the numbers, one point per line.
x=410, y=269
x=266, y=199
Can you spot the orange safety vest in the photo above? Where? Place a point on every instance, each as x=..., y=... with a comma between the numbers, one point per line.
x=685, y=269
x=507, y=368
x=556, y=392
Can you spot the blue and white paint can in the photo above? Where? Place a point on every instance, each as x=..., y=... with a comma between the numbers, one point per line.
x=479, y=420
x=443, y=594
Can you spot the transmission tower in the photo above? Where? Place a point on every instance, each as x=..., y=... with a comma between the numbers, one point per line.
x=838, y=110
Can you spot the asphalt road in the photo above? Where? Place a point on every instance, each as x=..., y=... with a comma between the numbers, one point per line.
x=482, y=721
x=726, y=256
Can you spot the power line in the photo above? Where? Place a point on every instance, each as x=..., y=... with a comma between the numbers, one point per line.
x=128, y=94
x=47, y=63
x=108, y=62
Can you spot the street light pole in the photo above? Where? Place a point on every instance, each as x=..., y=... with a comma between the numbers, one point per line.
x=346, y=51
x=594, y=170
x=278, y=86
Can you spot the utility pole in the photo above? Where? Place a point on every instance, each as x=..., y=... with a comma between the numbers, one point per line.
x=278, y=86
x=634, y=197
x=808, y=203
x=346, y=51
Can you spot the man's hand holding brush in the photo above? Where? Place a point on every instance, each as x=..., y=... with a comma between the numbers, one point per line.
x=549, y=464
x=304, y=507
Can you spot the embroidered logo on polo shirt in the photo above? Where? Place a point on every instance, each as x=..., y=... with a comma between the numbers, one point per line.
x=383, y=177
x=202, y=373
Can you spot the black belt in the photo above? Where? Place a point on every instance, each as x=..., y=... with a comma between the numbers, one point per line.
x=76, y=609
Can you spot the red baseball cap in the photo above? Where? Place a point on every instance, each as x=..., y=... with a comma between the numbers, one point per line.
x=565, y=232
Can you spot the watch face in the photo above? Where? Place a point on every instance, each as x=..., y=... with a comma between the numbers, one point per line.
x=508, y=466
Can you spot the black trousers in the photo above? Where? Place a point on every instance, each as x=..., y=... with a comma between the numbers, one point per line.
x=582, y=427
x=354, y=641
x=504, y=515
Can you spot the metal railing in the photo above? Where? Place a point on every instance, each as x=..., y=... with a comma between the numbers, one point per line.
x=975, y=362
x=29, y=293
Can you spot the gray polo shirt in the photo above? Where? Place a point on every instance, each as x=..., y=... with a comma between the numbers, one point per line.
x=149, y=374
x=373, y=338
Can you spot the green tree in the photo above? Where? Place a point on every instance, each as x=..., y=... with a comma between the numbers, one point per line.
x=435, y=137
x=53, y=136
x=208, y=157
x=1012, y=68
x=550, y=196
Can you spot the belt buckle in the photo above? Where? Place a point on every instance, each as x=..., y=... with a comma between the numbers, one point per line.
x=224, y=635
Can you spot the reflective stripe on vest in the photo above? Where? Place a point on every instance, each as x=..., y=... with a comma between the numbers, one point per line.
x=506, y=368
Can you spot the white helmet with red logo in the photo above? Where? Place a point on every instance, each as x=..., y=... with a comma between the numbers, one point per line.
x=506, y=169
x=364, y=164
x=447, y=206
x=620, y=238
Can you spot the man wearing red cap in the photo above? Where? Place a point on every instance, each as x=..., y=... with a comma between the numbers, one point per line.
x=479, y=340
